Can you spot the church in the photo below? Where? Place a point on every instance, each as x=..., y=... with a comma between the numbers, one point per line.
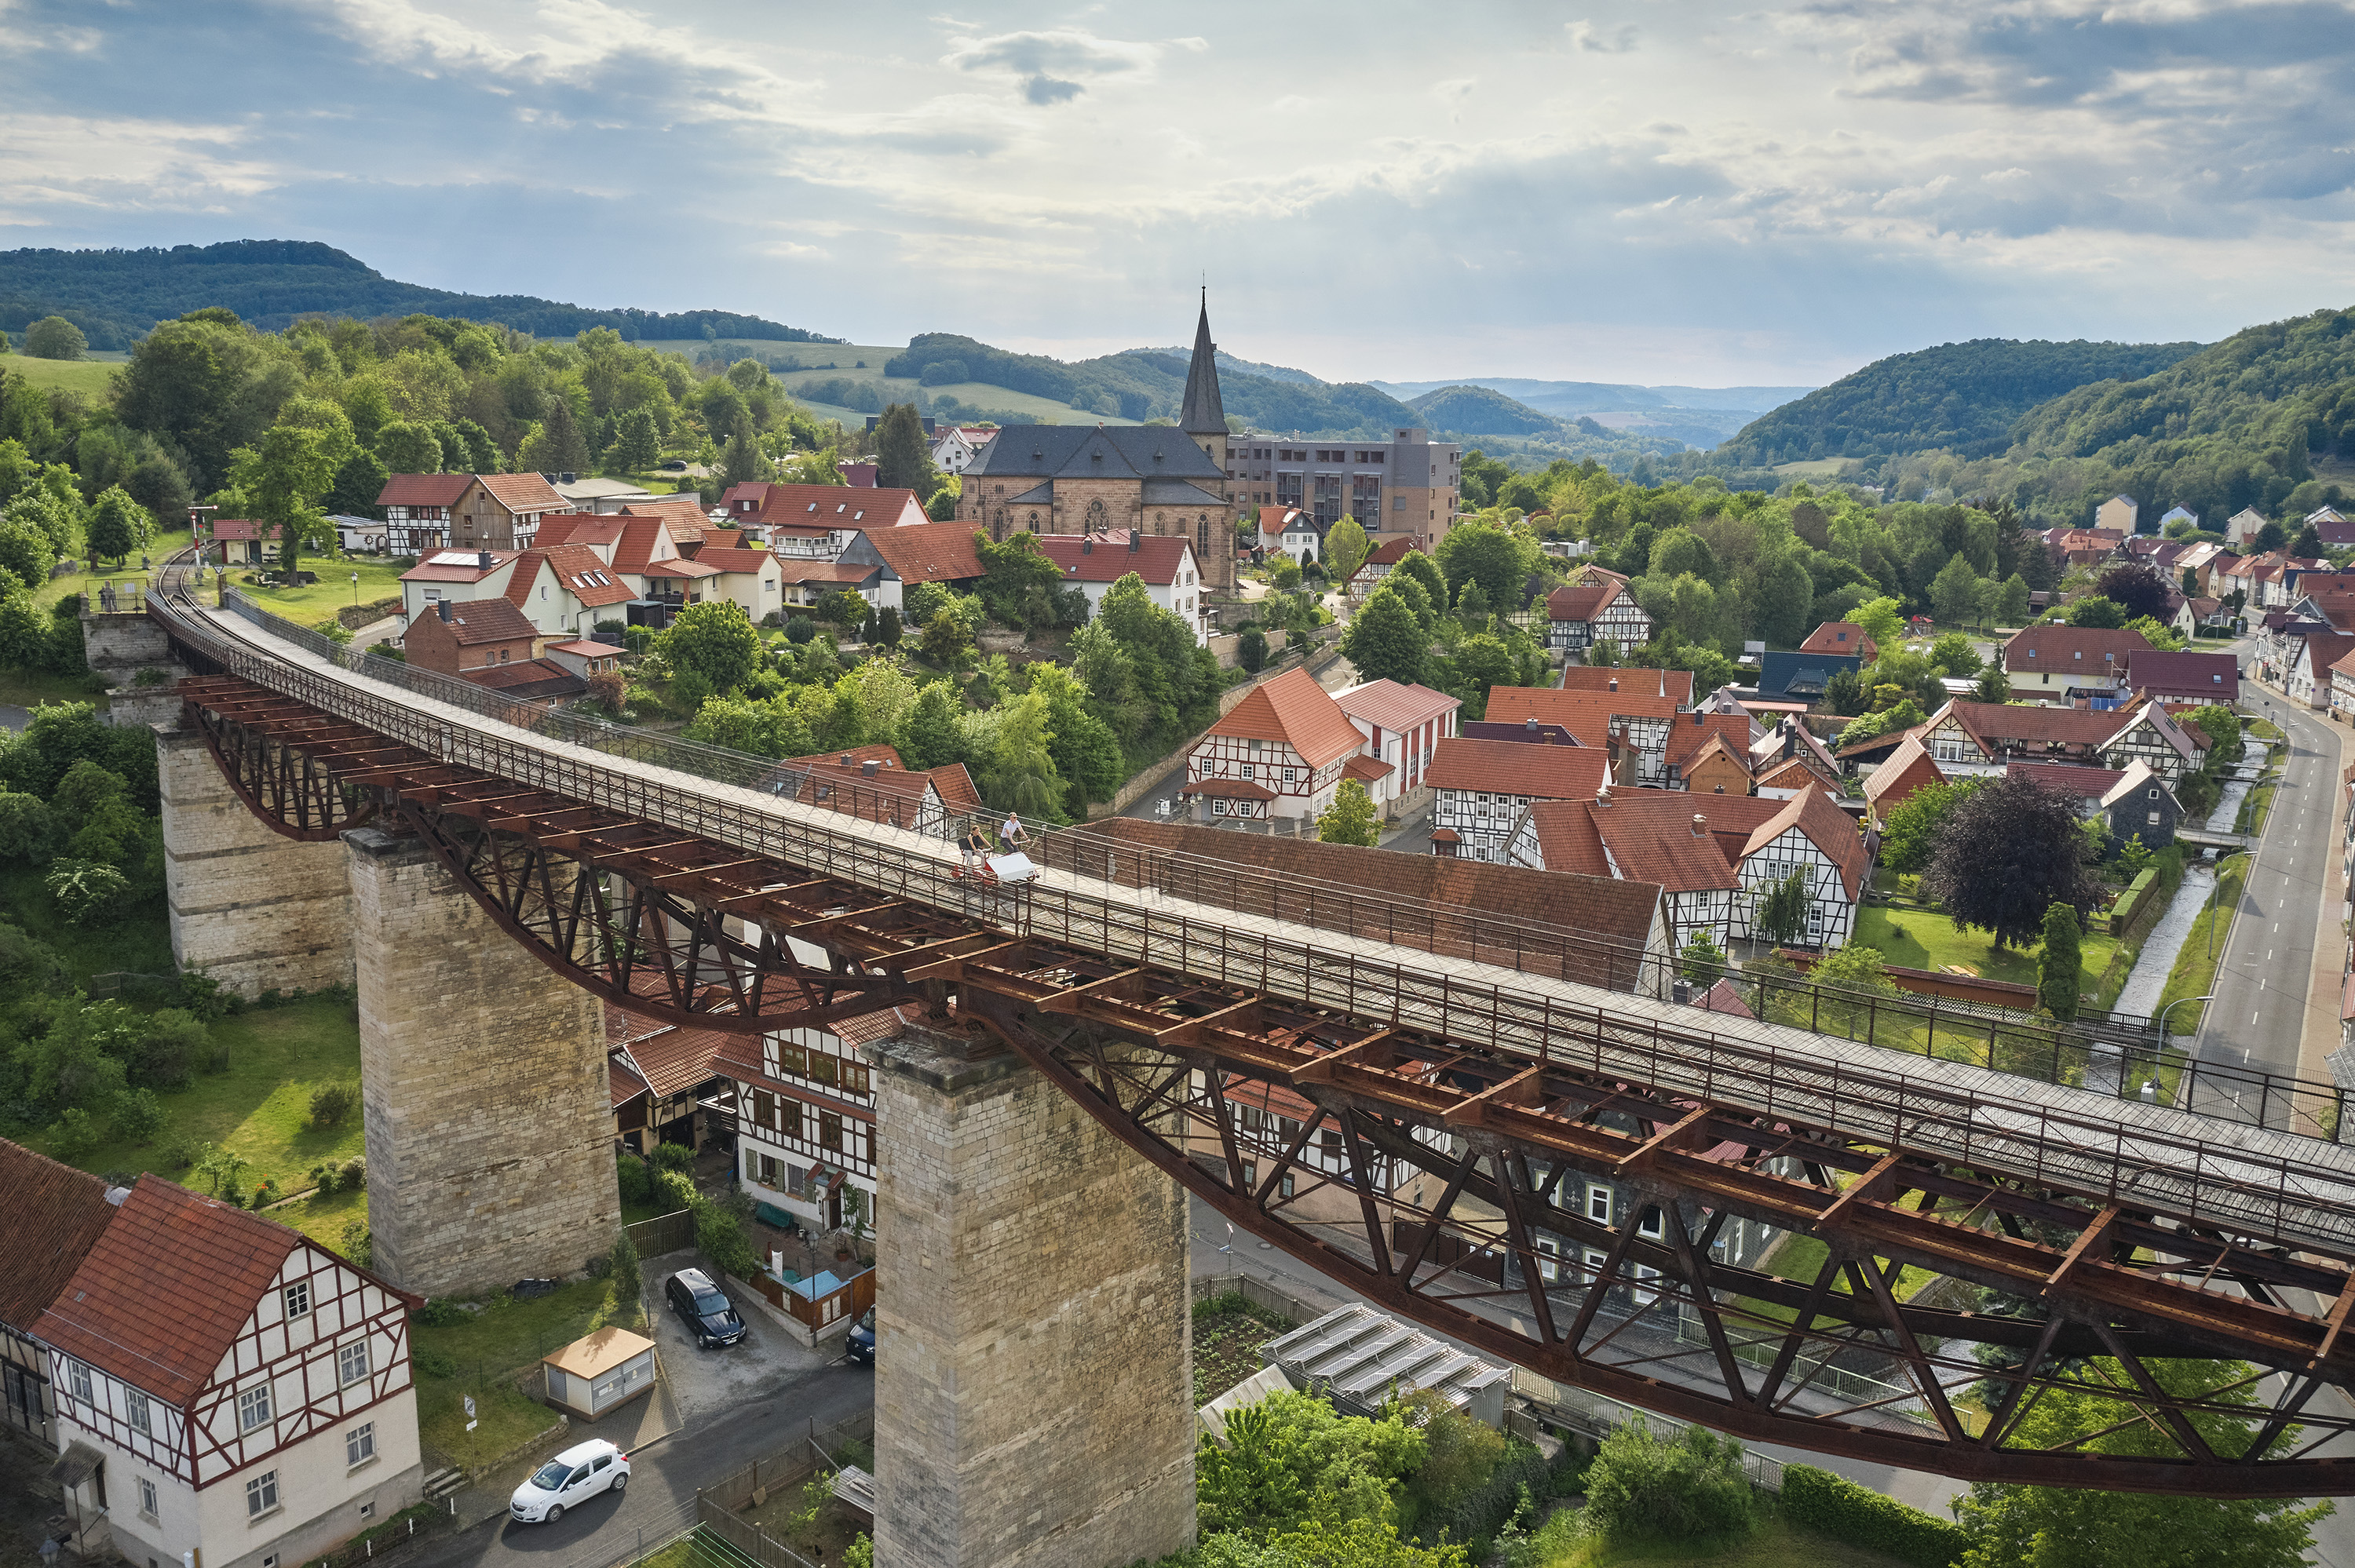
x=1080, y=479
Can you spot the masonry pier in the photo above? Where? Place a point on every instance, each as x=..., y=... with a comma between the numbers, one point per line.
x=483, y=1080
x=1034, y=1370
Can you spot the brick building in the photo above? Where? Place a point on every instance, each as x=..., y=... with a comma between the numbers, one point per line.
x=457, y=639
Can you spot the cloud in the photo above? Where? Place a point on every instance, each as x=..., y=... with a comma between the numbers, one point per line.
x=1585, y=36
x=1058, y=66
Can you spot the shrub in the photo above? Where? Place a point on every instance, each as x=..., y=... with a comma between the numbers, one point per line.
x=331, y=1103
x=73, y=1134
x=265, y=1193
x=1480, y=1511
x=439, y=1313
x=1836, y=1506
x=355, y=1175
x=602, y=1265
x=624, y=1260
x=674, y=1191
x=323, y=1180
x=720, y=1236
x=138, y=1116
x=180, y=1153
x=1640, y=1485
x=433, y=1364
x=172, y=1040
x=673, y=1156
x=202, y=996
x=799, y=628
x=635, y=1179
x=87, y=892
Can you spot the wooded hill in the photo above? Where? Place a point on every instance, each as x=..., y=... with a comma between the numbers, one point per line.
x=1962, y=397
x=116, y=295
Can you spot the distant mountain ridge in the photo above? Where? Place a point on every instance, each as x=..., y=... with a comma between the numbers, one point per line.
x=114, y=296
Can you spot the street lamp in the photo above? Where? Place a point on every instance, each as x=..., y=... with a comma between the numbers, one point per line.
x=355, y=590
x=2170, y=1007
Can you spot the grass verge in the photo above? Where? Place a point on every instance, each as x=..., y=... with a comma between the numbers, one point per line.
x=2195, y=967
x=2252, y=817
x=479, y=1356
x=1774, y=1542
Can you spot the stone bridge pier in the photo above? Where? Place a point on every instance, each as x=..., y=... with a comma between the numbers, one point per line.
x=1034, y=1367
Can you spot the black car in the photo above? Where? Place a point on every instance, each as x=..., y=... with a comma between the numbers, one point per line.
x=860, y=1346
x=704, y=1310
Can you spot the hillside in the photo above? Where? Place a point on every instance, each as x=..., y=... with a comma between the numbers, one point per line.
x=116, y=295
x=1478, y=411
x=1961, y=396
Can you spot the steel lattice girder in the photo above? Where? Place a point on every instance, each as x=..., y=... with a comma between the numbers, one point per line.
x=1500, y=1132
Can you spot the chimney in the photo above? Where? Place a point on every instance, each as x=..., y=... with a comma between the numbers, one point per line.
x=1087, y=543
x=482, y=560
x=1531, y=724
x=845, y=759
x=870, y=767
x=1613, y=684
x=1701, y=824
x=1602, y=795
x=444, y=608
x=1135, y=541
x=1696, y=718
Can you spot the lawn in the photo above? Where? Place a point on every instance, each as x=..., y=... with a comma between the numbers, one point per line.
x=1800, y=1256
x=1774, y=1543
x=87, y=376
x=313, y=603
x=1926, y=939
x=2195, y=965
x=57, y=588
x=480, y=1355
x=30, y=688
x=260, y=1109
x=140, y=944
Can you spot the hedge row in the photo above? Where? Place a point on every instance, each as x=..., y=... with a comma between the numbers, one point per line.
x=1841, y=1509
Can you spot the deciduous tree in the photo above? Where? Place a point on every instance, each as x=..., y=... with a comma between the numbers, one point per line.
x=714, y=641
x=117, y=526
x=1350, y=820
x=1346, y=548
x=1783, y=909
x=54, y=337
x=1910, y=835
x=1384, y=640
x=2010, y=851
x=2136, y=588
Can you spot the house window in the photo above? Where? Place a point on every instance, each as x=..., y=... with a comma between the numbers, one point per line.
x=78, y=1382
x=147, y=1496
x=1598, y=1204
x=359, y=1444
x=252, y=1407
x=2154, y=819
x=789, y=1117
x=829, y=1131
x=1652, y=1225
x=1549, y=1260
x=351, y=1364
x=298, y=1298
x=141, y=1420
x=261, y=1495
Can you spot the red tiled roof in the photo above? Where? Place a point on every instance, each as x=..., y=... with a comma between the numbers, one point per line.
x=1692, y=732
x=623, y=1085
x=1826, y=826
x=1677, y=683
x=1229, y=790
x=2071, y=649
x=1367, y=768
x=723, y=539
x=1841, y=637
x=523, y=493
x=477, y=621
x=527, y=678
x=1723, y=998
x=1581, y=601
x=579, y=528
x=634, y=549
x=2175, y=674
x=674, y=1060
x=2090, y=783
x=424, y=489
x=825, y=506
x=1389, y=553
x=52, y=1218
x=848, y=572
x=160, y=1296
x=1910, y=767
x=1586, y=714
x=928, y=552
x=2322, y=650
x=1387, y=705
x=1656, y=840
x=461, y=568
x=585, y=575
x=729, y=558
x=1294, y=709
x=1155, y=558
x=2019, y=722
x=242, y=528
x=1512, y=767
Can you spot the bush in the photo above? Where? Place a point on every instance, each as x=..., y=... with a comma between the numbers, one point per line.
x=360, y=1246
x=433, y=1364
x=720, y=1236
x=323, y=1181
x=138, y=1116
x=624, y=1260
x=799, y=628
x=87, y=892
x=673, y=1156
x=1480, y=1512
x=331, y=1103
x=73, y=1134
x=674, y=1191
x=180, y=1153
x=355, y=1175
x=202, y=996
x=636, y=1181
x=1641, y=1486
x=1835, y=1506
x=602, y=1265
x=439, y=1313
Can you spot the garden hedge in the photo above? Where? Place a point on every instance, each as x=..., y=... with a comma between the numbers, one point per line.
x=1841, y=1509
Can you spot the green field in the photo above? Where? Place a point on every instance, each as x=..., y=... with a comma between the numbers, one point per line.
x=314, y=603
x=846, y=357
x=55, y=589
x=87, y=376
x=1926, y=939
x=1814, y=467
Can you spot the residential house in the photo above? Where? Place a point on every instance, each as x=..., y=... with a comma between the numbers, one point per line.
x=2335, y=531
x=1812, y=836
x=541, y=680
x=1093, y=562
x=1677, y=683
x=802, y=584
x=1801, y=678
x=916, y=553
x=456, y=637
x=1402, y=727
x=228, y=1390
x=814, y=521
x=805, y=1104
x=954, y=449
x=358, y=536
x=1377, y=566
x=2175, y=514
x=1631, y=724
x=461, y=576
x=585, y=658
x=1709, y=754
x=2274, y=580
x=2240, y=530
x=1788, y=760
x=417, y=509
x=1689, y=848
x=1294, y=532
x=2141, y=805
x=1280, y=753
x=1599, y=607
x=1841, y=637
x=2201, y=560
x=576, y=590
x=649, y=558
x=685, y=1095
x=1480, y=788
x=2117, y=514
x=54, y=1215
x=240, y=541
x=599, y=496
x=2307, y=677
x=2083, y=787
x=2342, y=689
x=872, y=783
x=2061, y=664
x=748, y=577
x=1981, y=739
x=1909, y=770
x=2184, y=679
x=2201, y=616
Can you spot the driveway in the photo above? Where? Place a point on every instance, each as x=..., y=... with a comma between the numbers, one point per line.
x=706, y=1381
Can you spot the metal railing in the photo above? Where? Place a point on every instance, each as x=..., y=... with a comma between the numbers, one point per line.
x=2253, y=1184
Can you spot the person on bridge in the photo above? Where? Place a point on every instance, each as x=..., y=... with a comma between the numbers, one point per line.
x=1014, y=835
x=976, y=844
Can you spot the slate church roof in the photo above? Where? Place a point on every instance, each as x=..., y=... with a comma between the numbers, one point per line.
x=1093, y=451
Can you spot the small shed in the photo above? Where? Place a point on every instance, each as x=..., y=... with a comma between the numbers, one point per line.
x=595, y=1374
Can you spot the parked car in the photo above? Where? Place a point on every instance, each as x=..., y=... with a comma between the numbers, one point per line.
x=860, y=1344
x=704, y=1308
x=569, y=1479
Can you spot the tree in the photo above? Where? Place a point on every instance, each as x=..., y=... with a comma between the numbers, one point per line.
x=408, y=448
x=1883, y=621
x=1702, y=961
x=887, y=627
x=714, y=641
x=1954, y=656
x=929, y=737
x=561, y=447
x=1498, y=559
x=1844, y=694
x=2097, y=613
x=2011, y=851
x=1994, y=685
x=1251, y=650
x=1419, y=567
x=1955, y=592
x=1472, y=606
x=1910, y=835
x=770, y=728
x=117, y=527
x=1676, y=1489
x=1346, y=548
x=2222, y=727
x=1019, y=587
x=902, y=460
x=2058, y=965
x=637, y=444
x=948, y=642
x=25, y=553
x=1284, y=574
x=2011, y=609
x=2307, y=545
x=2269, y=538
x=354, y=494
x=2014, y=1526
x=54, y=337
x=282, y=480
x=1384, y=641
x=1783, y=909
x=743, y=463
x=2136, y=588
x=1350, y=820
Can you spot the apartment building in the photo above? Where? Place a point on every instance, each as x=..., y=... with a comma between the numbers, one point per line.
x=1409, y=486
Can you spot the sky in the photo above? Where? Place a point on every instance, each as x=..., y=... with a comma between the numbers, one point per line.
x=1671, y=192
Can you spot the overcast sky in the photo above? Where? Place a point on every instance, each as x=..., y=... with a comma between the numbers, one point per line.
x=1677, y=192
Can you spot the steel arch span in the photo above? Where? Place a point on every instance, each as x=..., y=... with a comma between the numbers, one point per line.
x=2103, y=1259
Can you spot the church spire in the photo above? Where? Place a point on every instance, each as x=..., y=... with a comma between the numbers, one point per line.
x=1203, y=414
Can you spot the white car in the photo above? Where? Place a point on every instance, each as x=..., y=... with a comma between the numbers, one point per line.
x=569, y=1479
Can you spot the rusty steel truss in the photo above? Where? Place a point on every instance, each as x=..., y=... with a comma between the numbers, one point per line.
x=1434, y=1169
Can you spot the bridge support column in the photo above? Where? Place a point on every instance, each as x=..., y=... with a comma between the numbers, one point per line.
x=1034, y=1378
x=253, y=909
x=489, y=1124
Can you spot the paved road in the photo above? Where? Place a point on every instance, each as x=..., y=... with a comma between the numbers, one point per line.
x=2259, y=1017
x=663, y=1480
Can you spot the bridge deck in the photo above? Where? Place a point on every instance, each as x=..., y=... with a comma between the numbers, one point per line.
x=2242, y=1178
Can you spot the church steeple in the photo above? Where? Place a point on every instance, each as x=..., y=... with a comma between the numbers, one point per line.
x=1203, y=414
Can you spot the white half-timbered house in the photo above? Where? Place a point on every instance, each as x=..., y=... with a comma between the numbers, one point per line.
x=1633, y=721
x=417, y=510
x=1480, y=788
x=1811, y=835
x=2154, y=736
x=227, y=1387
x=53, y=1215
x=1280, y=753
x=1602, y=606
x=805, y=1118
x=1687, y=846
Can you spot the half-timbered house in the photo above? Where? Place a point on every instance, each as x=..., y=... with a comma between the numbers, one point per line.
x=53, y=1217
x=1599, y=607
x=2306, y=674
x=1790, y=759
x=1813, y=836
x=1687, y=847
x=227, y=1387
x=1980, y=739
x=1633, y=721
x=1279, y=754
x=1909, y=768
x=1613, y=679
x=1479, y=789
x=2153, y=735
x=805, y=1117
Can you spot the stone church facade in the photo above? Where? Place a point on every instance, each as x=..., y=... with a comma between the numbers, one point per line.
x=1077, y=479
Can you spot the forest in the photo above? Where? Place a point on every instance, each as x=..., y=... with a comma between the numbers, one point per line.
x=115, y=295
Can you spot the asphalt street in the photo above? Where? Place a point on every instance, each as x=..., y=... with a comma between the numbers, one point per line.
x=2258, y=1019
x=660, y=1498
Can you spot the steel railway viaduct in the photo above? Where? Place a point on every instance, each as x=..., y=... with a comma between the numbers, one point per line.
x=483, y=870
